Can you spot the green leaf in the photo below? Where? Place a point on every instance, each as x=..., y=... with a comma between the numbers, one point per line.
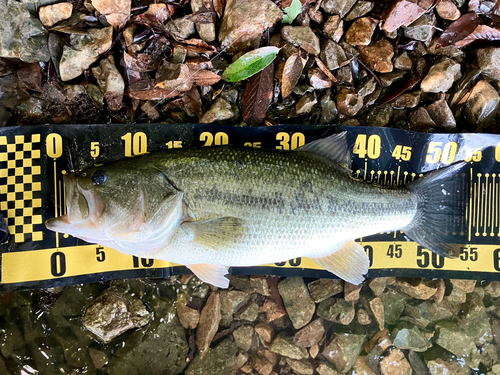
x=249, y=64
x=292, y=11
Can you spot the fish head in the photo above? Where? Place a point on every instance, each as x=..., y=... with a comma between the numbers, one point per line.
x=115, y=203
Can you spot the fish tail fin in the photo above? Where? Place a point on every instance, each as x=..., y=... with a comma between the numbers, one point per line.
x=439, y=224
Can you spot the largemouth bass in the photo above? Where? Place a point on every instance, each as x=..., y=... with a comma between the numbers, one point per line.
x=213, y=208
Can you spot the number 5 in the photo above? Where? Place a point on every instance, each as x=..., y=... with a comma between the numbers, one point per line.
x=94, y=149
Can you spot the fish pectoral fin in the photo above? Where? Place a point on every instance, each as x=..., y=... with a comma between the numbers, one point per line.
x=350, y=262
x=211, y=274
x=217, y=232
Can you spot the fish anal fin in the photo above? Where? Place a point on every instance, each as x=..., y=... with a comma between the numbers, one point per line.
x=211, y=274
x=216, y=232
x=350, y=262
x=334, y=147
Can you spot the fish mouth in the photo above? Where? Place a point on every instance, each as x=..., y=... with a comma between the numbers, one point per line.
x=83, y=208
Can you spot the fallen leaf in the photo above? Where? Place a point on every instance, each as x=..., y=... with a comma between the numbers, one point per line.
x=219, y=6
x=151, y=22
x=325, y=70
x=204, y=77
x=141, y=63
x=258, y=95
x=403, y=13
x=176, y=103
x=393, y=94
x=30, y=76
x=459, y=29
x=249, y=64
x=291, y=74
x=136, y=92
x=192, y=101
x=482, y=32
x=197, y=46
x=291, y=12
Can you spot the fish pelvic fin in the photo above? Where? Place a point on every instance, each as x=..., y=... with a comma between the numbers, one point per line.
x=350, y=263
x=211, y=274
x=335, y=147
x=216, y=232
x=439, y=206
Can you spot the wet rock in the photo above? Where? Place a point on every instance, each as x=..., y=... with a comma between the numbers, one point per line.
x=442, y=115
x=209, y=322
x=221, y=110
x=493, y=289
x=364, y=90
x=206, y=31
x=285, y=346
x=363, y=317
x=482, y=105
x=380, y=116
x=150, y=110
x=379, y=284
x=389, y=79
x=351, y=292
x=260, y=285
x=407, y=100
x=324, y=369
x=378, y=55
x=395, y=363
x=31, y=110
x=348, y=103
x=340, y=7
x=161, y=11
x=52, y=14
x=116, y=12
x=265, y=332
x=318, y=79
x=114, y=313
x=220, y=360
x=188, y=317
x=410, y=338
x=297, y=301
x=305, y=104
x=243, y=337
x=84, y=51
x=359, y=9
x=448, y=10
x=361, y=367
x=336, y=310
x=452, y=337
x=159, y=349
x=272, y=309
x=328, y=114
x=422, y=29
x=246, y=21
x=332, y=54
x=334, y=28
x=248, y=312
x=344, y=76
x=377, y=308
x=441, y=367
x=421, y=120
x=300, y=366
x=231, y=301
x=262, y=365
x=111, y=82
x=403, y=62
x=181, y=28
x=441, y=76
x=417, y=288
x=488, y=60
x=22, y=36
x=303, y=37
x=361, y=31
x=466, y=285
x=99, y=358
x=344, y=350
x=394, y=306
x=310, y=335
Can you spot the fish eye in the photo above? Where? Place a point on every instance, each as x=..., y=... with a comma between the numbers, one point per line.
x=99, y=177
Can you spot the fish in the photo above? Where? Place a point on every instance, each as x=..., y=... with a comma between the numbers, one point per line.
x=212, y=208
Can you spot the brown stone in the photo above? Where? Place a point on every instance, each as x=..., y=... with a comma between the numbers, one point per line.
x=272, y=309
x=52, y=14
x=395, y=363
x=265, y=332
x=188, y=317
x=303, y=37
x=447, y=10
x=348, y=103
x=244, y=21
x=378, y=55
x=361, y=31
x=361, y=367
x=310, y=335
x=418, y=288
x=363, y=317
x=334, y=28
x=209, y=322
x=351, y=292
x=377, y=308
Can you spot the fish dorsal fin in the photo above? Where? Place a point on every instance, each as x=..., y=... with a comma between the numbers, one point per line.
x=334, y=147
x=217, y=232
x=350, y=262
x=211, y=273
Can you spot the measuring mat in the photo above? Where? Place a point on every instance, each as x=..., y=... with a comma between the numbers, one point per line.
x=34, y=159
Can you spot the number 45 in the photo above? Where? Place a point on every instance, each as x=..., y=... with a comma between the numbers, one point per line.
x=402, y=153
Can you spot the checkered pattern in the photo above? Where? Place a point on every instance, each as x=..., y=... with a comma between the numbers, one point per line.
x=20, y=186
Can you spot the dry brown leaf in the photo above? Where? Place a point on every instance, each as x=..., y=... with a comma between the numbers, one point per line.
x=258, y=95
x=197, y=46
x=30, y=75
x=153, y=94
x=176, y=103
x=403, y=13
x=204, y=77
x=325, y=70
x=291, y=74
x=192, y=101
x=219, y=6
